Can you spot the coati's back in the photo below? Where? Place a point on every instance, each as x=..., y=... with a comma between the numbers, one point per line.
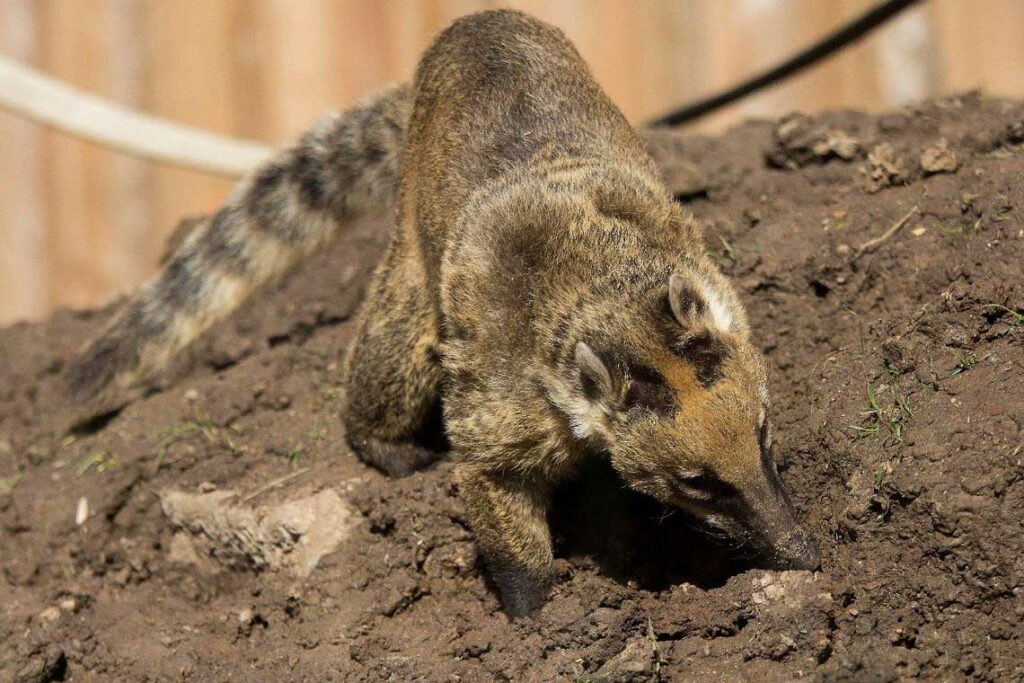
x=498, y=91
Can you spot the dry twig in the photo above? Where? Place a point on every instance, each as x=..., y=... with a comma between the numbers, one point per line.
x=874, y=243
x=275, y=483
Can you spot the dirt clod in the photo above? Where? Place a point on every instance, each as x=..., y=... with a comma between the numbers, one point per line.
x=884, y=169
x=939, y=159
x=292, y=535
x=800, y=140
x=636, y=663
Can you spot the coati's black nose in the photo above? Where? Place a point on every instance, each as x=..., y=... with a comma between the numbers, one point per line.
x=797, y=550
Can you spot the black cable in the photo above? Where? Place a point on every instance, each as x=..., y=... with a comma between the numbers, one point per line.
x=856, y=29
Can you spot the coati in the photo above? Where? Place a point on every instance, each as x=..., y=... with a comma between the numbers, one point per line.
x=541, y=284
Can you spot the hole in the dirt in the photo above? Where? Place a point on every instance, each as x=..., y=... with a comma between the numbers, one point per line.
x=820, y=289
x=94, y=424
x=845, y=533
x=432, y=434
x=381, y=524
x=278, y=339
x=222, y=364
x=825, y=653
x=632, y=537
x=690, y=196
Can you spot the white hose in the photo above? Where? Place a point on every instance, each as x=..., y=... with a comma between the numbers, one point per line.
x=32, y=95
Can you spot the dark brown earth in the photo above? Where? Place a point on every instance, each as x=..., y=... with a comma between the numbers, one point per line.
x=899, y=401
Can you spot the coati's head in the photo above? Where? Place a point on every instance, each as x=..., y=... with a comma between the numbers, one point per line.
x=679, y=401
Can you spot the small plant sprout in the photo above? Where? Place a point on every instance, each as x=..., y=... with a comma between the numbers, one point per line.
x=200, y=423
x=873, y=414
x=317, y=432
x=963, y=366
x=880, y=478
x=894, y=418
x=101, y=461
x=901, y=415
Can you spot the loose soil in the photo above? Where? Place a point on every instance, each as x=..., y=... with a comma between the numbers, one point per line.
x=220, y=529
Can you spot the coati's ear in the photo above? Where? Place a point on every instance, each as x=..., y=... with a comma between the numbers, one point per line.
x=585, y=399
x=703, y=316
x=691, y=301
x=686, y=303
x=595, y=379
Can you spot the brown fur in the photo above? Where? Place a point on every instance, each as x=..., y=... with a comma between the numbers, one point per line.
x=541, y=284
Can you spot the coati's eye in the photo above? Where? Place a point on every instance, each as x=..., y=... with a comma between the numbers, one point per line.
x=648, y=391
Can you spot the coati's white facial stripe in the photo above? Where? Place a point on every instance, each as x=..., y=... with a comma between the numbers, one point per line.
x=585, y=417
x=719, y=311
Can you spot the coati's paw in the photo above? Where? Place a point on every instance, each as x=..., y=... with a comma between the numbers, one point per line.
x=394, y=459
x=522, y=592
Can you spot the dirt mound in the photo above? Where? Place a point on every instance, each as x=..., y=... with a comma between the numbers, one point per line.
x=881, y=260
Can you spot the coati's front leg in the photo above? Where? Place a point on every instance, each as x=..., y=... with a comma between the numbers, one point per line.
x=392, y=372
x=508, y=515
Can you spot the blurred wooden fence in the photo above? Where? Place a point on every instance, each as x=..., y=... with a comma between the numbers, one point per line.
x=79, y=225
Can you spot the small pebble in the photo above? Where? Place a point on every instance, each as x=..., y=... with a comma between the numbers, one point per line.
x=82, y=511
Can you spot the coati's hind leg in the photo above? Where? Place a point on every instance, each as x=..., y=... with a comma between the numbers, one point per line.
x=392, y=372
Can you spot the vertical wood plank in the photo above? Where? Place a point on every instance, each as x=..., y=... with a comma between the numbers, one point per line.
x=127, y=247
x=23, y=208
x=981, y=45
x=73, y=47
x=189, y=70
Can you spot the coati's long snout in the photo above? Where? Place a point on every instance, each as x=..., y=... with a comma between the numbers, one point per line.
x=769, y=526
x=761, y=520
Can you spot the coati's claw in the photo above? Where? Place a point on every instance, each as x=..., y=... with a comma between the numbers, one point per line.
x=522, y=592
x=395, y=459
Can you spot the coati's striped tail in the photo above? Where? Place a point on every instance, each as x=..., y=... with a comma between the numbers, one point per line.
x=345, y=167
